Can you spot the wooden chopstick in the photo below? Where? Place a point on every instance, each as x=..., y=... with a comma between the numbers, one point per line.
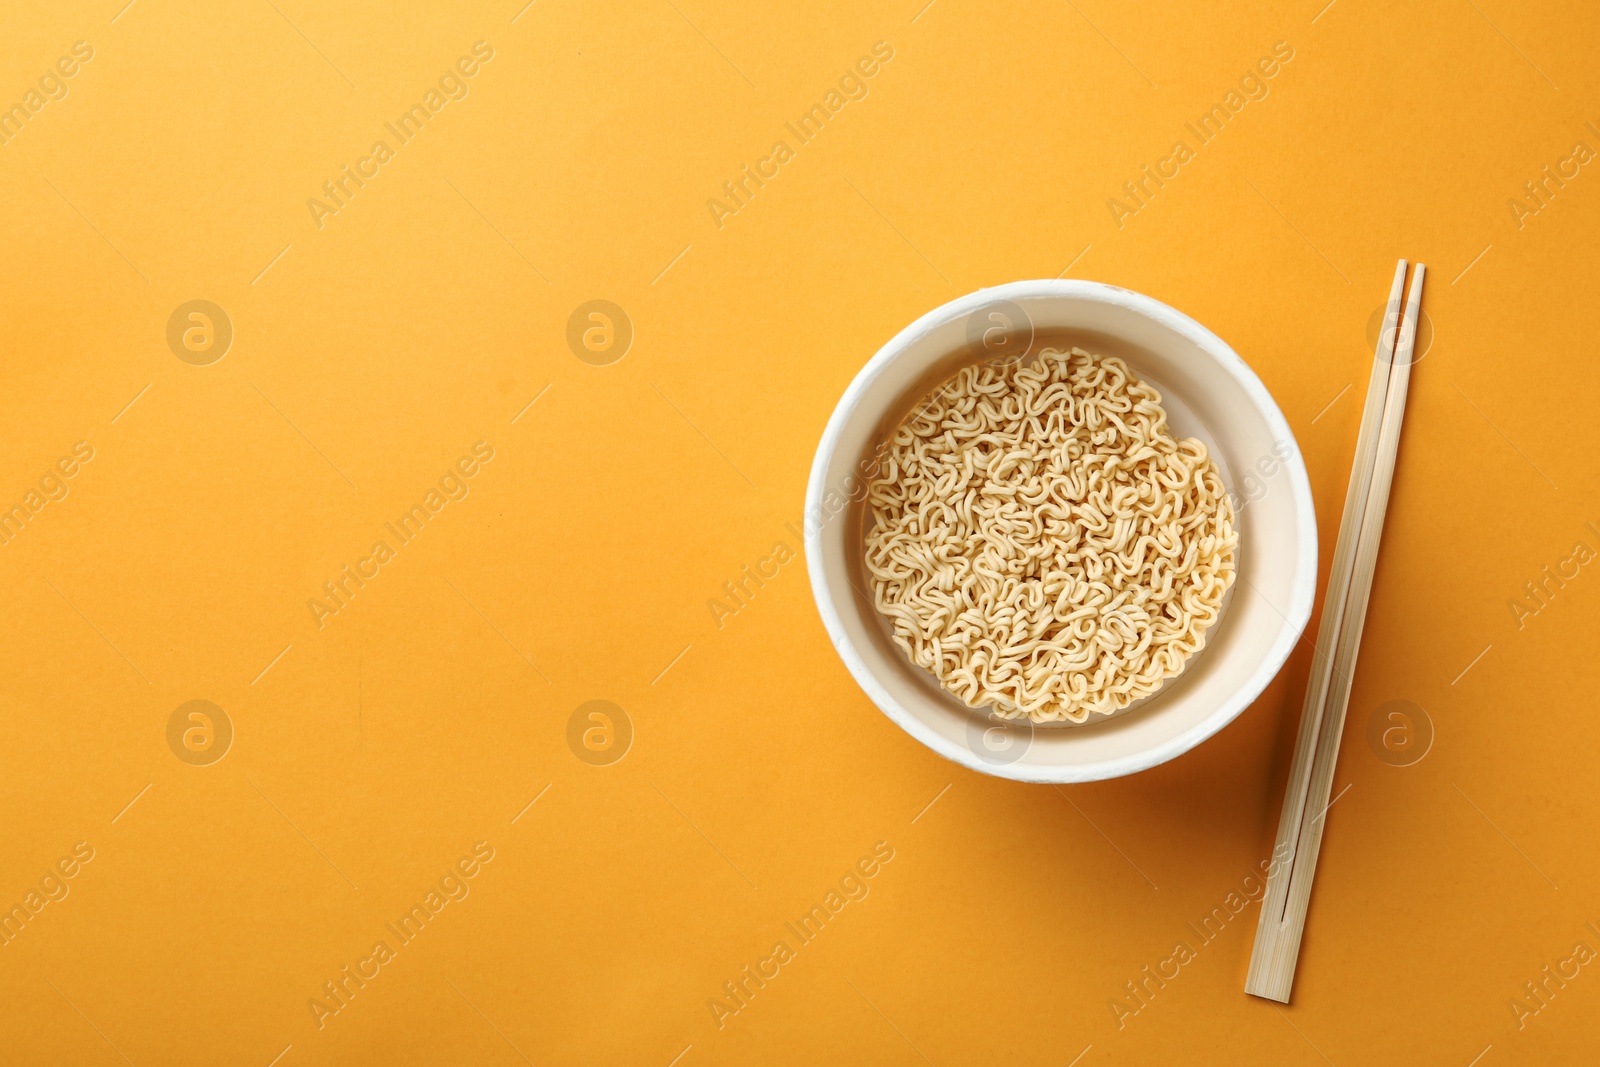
x=1283, y=910
x=1268, y=930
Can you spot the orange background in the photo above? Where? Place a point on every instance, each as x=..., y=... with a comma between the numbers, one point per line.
x=372, y=753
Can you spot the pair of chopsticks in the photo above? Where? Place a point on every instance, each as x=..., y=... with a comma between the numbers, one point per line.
x=1344, y=610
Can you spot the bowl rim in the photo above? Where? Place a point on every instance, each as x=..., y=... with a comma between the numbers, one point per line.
x=1302, y=593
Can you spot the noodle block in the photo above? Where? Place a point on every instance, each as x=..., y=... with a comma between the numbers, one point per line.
x=1040, y=542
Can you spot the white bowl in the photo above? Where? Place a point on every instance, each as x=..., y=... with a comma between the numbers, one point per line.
x=1208, y=393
